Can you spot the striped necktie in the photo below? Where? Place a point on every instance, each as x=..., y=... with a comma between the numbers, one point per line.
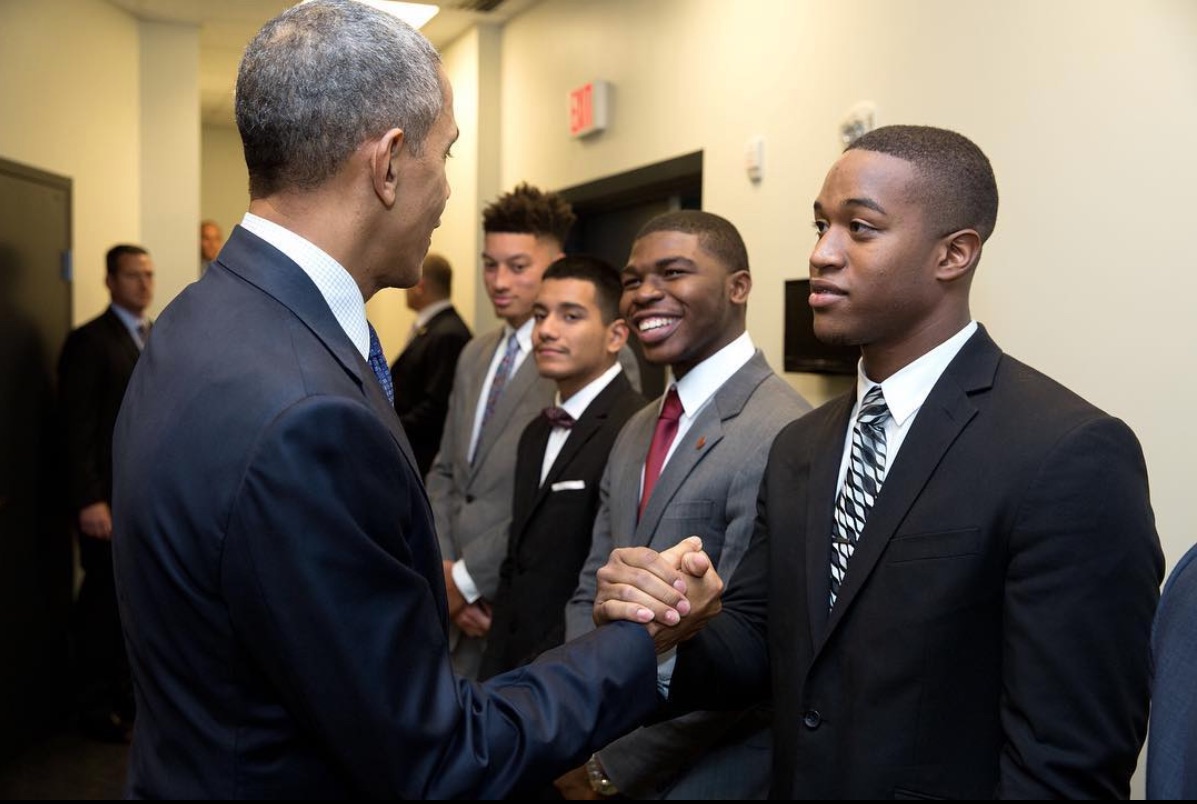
x=862, y=483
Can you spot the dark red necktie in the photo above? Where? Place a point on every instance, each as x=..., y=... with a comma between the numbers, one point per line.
x=663, y=436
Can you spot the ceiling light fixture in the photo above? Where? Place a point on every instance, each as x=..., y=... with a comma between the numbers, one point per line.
x=416, y=15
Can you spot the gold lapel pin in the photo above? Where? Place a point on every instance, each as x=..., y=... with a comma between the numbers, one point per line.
x=702, y=442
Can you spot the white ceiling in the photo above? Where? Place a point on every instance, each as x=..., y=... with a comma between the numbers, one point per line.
x=226, y=26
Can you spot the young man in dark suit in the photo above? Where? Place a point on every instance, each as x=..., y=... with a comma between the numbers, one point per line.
x=280, y=583
x=422, y=375
x=576, y=339
x=951, y=585
x=94, y=368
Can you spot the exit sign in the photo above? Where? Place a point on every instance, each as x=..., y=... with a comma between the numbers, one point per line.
x=588, y=108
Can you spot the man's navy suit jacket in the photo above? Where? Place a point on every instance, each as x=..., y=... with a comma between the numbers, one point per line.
x=281, y=584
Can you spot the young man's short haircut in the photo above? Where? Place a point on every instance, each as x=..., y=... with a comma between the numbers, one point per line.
x=598, y=272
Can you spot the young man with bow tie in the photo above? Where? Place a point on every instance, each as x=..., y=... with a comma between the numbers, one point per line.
x=576, y=339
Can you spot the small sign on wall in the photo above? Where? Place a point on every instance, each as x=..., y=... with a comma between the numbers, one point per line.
x=588, y=108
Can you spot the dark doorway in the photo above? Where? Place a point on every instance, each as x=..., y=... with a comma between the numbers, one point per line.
x=35, y=550
x=612, y=209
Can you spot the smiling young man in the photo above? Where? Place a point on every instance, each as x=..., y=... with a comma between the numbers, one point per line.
x=951, y=587
x=577, y=336
x=685, y=295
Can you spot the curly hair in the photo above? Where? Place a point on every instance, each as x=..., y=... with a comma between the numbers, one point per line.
x=528, y=210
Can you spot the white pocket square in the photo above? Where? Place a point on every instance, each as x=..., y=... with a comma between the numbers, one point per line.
x=568, y=485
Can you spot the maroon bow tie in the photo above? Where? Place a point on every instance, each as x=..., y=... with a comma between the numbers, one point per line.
x=559, y=417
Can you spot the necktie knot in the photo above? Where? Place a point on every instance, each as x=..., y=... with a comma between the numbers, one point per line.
x=862, y=483
x=559, y=417
x=663, y=435
x=873, y=409
x=672, y=409
x=378, y=363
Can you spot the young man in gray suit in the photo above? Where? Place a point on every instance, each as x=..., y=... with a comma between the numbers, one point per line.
x=496, y=392
x=685, y=295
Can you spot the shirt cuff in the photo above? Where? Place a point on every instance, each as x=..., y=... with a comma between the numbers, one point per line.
x=465, y=584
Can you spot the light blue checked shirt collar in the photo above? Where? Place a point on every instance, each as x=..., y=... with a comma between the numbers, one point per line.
x=340, y=292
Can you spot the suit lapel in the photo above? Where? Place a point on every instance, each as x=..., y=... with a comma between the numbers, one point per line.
x=474, y=377
x=624, y=499
x=528, y=490
x=822, y=487
x=275, y=274
x=120, y=334
x=517, y=386
x=701, y=438
x=939, y=422
x=585, y=427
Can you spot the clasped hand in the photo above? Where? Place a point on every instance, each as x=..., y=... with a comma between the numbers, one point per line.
x=673, y=592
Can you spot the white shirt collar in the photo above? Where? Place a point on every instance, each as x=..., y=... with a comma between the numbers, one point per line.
x=129, y=318
x=907, y=389
x=523, y=335
x=576, y=405
x=425, y=315
x=702, y=381
x=340, y=291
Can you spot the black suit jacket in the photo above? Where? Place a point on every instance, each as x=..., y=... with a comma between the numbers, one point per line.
x=280, y=581
x=94, y=368
x=423, y=378
x=990, y=637
x=551, y=527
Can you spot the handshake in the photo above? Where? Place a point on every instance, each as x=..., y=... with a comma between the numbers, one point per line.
x=673, y=592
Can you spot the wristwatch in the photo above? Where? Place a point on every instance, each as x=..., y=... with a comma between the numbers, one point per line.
x=599, y=782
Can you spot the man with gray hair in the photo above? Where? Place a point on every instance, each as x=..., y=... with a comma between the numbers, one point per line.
x=278, y=569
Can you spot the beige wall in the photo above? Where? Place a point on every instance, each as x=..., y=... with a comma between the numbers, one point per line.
x=170, y=154
x=78, y=117
x=89, y=93
x=1084, y=108
x=224, y=184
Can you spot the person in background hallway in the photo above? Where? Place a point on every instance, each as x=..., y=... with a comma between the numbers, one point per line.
x=577, y=336
x=496, y=392
x=951, y=586
x=422, y=375
x=685, y=295
x=94, y=368
x=211, y=239
x=276, y=562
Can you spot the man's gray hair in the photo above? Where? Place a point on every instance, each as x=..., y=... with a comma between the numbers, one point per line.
x=322, y=78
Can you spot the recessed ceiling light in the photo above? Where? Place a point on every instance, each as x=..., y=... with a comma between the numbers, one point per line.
x=414, y=14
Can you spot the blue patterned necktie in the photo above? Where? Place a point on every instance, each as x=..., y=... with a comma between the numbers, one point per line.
x=378, y=362
x=862, y=483
x=502, y=374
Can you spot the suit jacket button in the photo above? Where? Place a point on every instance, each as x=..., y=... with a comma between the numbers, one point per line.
x=469, y=498
x=811, y=718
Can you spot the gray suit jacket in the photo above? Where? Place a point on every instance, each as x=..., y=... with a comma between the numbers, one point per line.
x=708, y=488
x=472, y=503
